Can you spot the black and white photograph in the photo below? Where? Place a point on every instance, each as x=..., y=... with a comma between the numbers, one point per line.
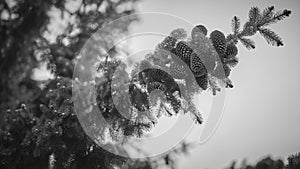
x=149, y=84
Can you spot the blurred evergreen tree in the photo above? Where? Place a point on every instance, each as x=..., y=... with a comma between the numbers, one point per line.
x=266, y=163
x=269, y=163
x=293, y=161
x=38, y=126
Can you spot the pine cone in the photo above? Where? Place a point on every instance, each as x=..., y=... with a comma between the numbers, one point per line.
x=183, y=51
x=202, y=81
x=175, y=56
x=198, y=29
x=177, y=71
x=197, y=66
x=219, y=41
x=155, y=74
x=156, y=86
x=158, y=75
x=231, y=51
x=168, y=43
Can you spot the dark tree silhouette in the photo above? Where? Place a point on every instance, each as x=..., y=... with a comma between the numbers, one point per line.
x=293, y=161
x=38, y=125
x=269, y=163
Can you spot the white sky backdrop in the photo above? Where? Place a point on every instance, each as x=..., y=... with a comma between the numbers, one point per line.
x=263, y=109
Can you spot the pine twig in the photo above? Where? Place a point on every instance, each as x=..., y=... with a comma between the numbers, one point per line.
x=271, y=37
x=267, y=14
x=277, y=17
x=254, y=15
x=235, y=24
x=257, y=22
x=248, y=43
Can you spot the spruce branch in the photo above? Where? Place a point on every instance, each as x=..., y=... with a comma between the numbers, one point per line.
x=249, y=29
x=267, y=14
x=235, y=24
x=281, y=15
x=278, y=16
x=248, y=43
x=257, y=22
x=254, y=15
x=271, y=37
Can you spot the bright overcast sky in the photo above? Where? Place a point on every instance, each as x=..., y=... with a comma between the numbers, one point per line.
x=262, y=111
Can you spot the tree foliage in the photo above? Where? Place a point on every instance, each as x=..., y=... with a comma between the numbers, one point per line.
x=38, y=126
x=258, y=21
x=269, y=163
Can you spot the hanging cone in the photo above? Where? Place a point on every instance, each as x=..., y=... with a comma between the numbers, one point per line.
x=156, y=86
x=183, y=51
x=219, y=41
x=231, y=51
x=202, y=81
x=198, y=29
x=158, y=75
x=197, y=66
x=175, y=56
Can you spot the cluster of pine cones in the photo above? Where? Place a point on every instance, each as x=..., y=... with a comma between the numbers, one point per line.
x=208, y=59
x=182, y=51
x=215, y=59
